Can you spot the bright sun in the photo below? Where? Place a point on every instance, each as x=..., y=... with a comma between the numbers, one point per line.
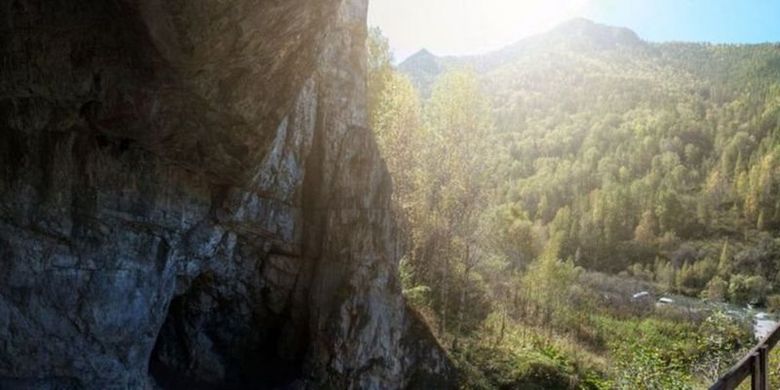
x=467, y=26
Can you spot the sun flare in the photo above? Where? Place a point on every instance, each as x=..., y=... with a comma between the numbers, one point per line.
x=468, y=26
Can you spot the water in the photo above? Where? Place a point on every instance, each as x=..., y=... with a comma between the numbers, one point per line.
x=763, y=325
x=763, y=322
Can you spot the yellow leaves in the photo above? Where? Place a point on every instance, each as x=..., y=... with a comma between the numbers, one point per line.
x=645, y=231
x=755, y=187
x=457, y=108
x=715, y=182
x=549, y=279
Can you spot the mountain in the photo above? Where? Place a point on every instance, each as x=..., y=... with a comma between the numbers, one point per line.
x=577, y=34
x=560, y=176
x=605, y=126
x=423, y=67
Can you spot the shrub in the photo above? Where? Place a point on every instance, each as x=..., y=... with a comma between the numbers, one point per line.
x=716, y=289
x=773, y=303
x=747, y=289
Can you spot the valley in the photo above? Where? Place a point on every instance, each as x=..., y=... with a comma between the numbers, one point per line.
x=536, y=183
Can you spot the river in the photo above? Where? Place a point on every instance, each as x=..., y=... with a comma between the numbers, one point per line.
x=763, y=323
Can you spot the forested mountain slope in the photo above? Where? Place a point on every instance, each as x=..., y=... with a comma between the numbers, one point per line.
x=658, y=158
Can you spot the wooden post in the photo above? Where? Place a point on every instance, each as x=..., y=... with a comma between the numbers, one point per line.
x=763, y=363
x=755, y=372
x=754, y=365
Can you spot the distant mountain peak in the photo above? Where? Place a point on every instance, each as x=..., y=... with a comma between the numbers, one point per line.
x=578, y=22
x=422, y=54
x=423, y=67
x=422, y=58
x=601, y=35
x=578, y=35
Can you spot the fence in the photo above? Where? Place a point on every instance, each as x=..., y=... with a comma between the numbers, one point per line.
x=755, y=365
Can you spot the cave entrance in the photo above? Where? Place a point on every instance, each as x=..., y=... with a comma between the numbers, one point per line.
x=213, y=340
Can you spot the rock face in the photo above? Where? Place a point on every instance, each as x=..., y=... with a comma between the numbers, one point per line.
x=190, y=198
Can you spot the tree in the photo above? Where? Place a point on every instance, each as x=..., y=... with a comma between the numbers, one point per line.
x=455, y=174
x=397, y=123
x=513, y=235
x=670, y=212
x=440, y=178
x=747, y=289
x=645, y=231
x=726, y=261
x=716, y=290
x=549, y=279
x=380, y=69
x=665, y=274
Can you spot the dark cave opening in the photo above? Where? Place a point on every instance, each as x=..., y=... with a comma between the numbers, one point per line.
x=209, y=342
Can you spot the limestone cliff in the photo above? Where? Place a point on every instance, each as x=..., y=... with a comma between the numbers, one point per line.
x=190, y=198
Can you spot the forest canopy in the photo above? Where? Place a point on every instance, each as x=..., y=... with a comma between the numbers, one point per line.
x=581, y=153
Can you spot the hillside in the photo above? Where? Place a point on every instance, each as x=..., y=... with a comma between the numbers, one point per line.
x=617, y=131
x=541, y=186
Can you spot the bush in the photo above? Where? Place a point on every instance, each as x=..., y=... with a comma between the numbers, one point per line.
x=716, y=290
x=721, y=341
x=498, y=368
x=646, y=367
x=747, y=289
x=773, y=303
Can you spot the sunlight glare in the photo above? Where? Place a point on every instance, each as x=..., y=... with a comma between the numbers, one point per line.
x=467, y=26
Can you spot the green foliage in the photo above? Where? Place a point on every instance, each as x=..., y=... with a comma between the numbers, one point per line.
x=720, y=338
x=664, y=354
x=518, y=176
x=747, y=289
x=665, y=274
x=694, y=277
x=773, y=303
x=380, y=70
x=437, y=157
x=645, y=147
x=648, y=367
x=645, y=231
x=725, y=264
x=525, y=358
x=417, y=295
x=549, y=281
x=717, y=288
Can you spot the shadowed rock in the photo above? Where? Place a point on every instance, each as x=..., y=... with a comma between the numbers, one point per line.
x=189, y=189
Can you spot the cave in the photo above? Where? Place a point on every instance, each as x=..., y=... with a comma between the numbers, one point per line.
x=201, y=349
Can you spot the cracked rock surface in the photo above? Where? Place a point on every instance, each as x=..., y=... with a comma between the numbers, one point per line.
x=190, y=198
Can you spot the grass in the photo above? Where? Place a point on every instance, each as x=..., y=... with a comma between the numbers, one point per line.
x=527, y=358
x=592, y=346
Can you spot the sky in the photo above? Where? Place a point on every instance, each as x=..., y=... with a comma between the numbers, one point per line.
x=458, y=27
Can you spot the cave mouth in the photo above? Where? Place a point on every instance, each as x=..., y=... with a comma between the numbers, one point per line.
x=209, y=341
